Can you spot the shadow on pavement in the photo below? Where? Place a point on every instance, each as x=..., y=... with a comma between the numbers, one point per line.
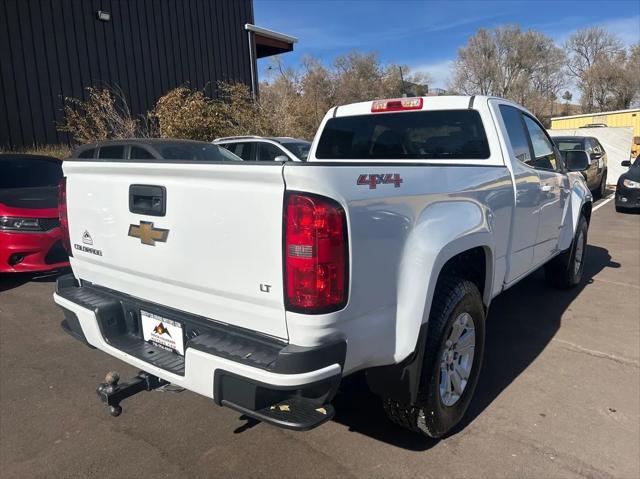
x=13, y=280
x=629, y=211
x=521, y=322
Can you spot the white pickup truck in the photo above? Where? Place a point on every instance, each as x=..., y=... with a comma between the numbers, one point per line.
x=262, y=285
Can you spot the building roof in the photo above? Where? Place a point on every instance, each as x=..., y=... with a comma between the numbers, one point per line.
x=584, y=115
x=269, y=42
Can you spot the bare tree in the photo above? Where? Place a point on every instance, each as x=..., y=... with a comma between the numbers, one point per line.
x=358, y=77
x=103, y=115
x=567, y=96
x=632, y=70
x=526, y=67
x=475, y=68
x=613, y=81
x=317, y=95
x=587, y=45
x=295, y=101
x=545, y=70
x=591, y=49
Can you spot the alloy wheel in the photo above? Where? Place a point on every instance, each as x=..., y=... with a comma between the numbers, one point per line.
x=457, y=359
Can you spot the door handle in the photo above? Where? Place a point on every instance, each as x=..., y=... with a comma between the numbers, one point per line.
x=148, y=200
x=546, y=188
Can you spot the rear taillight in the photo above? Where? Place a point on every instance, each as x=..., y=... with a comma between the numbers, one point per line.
x=315, y=249
x=62, y=215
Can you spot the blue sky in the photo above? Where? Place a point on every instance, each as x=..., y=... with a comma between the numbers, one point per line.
x=426, y=34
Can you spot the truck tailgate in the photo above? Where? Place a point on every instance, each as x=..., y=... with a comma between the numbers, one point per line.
x=216, y=252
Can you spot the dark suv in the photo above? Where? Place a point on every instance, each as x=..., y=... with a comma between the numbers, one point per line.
x=596, y=174
x=140, y=149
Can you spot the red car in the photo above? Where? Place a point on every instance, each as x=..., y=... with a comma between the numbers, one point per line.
x=30, y=238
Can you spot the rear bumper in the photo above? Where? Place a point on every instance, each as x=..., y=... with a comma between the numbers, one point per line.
x=246, y=372
x=32, y=252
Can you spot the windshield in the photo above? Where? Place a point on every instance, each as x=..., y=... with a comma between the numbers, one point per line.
x=29, y=173
x=195, y=152
x=449, y=134
x=565, y=145
x=298, y=148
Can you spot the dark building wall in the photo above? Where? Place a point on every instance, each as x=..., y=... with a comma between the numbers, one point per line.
x=52, y=49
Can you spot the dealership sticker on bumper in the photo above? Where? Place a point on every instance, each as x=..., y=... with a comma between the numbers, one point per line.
x=162, y=332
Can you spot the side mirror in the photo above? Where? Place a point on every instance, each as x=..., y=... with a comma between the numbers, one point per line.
x=626, y=163
x=577, y=160
x=281, y=158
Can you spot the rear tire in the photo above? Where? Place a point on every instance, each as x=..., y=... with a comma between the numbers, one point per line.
x=565, y=270
x=454, y=349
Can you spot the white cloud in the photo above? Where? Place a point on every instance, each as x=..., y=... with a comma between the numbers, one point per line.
x=625, y=28
x=439, y=72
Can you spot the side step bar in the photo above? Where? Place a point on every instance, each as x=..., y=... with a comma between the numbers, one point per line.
x=300, y=408
x=294, y=413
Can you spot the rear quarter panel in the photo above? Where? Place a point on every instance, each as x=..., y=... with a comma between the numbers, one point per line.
x=399, y=239
x=580, y=195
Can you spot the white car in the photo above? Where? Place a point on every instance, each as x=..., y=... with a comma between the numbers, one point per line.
x=262, y=284
x=262, y=148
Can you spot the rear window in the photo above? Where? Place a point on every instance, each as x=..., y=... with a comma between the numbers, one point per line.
x=243, y=150
x=269, y=152
x=298, y=148
x=111, y=152
x=564, y=145
x=29, y=173
x=138, y=153
x=444, y=134
x=87, y=153
x=194, y=152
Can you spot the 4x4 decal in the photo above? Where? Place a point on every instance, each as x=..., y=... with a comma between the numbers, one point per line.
x=384, y=179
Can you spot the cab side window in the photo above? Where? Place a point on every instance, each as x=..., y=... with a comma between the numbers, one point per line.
x=512, y=119
x=543, y=152
x=139, y=153
x=244, y=150
x=268, y=152
x=111, y=152
x=597, y=148
x=87, y=153
x=588, y=146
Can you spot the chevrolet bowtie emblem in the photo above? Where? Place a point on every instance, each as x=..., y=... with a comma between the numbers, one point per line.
x=147, y=233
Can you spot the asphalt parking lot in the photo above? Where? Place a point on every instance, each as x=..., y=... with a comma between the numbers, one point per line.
x=559, y=396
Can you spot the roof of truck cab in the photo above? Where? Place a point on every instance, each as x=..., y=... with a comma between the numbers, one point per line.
x=440, y=102
x=278, y=139
x=443, y=102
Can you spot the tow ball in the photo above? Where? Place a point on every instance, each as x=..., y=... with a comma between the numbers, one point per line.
x=112, y=391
